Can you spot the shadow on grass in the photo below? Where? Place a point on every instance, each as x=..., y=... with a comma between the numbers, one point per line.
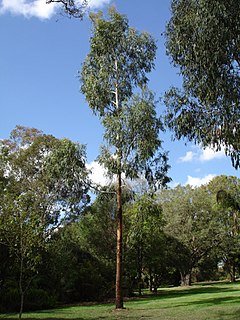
x=211, y=302
x=189, y=291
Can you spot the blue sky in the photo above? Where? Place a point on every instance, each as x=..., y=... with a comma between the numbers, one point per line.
x=41, y=54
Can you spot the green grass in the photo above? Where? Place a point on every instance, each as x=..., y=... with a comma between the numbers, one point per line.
x=200, y=302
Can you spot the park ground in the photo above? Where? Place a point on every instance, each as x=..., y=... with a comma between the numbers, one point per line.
x=208, y=301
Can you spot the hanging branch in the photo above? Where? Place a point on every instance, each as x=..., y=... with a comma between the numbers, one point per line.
x=72, y=8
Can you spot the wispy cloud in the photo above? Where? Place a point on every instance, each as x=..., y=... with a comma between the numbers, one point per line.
x=202, y=155
x=39, y=8
x=196, y=181
x=98, y=3
x=188, y=157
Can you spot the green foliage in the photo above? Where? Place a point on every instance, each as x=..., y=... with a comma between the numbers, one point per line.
x=192, y=219
x=69, y=175
x=97, y=229
x=119, y=59
x=226, y=189
x=76, y=270
x=202, y=39
x=135, y=131
x=145, y=226
x=42, y=180
x=145, y=241
x=118, y=55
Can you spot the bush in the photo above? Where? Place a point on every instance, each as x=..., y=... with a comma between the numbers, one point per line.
x=36, y=299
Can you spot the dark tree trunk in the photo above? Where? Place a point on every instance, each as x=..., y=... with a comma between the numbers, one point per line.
x=119, y=295
x=150, y=280
x=185, y=278
x=21, y=289
x=155, y=283
x=21, y=305
x=140, y=269
x=233, y=272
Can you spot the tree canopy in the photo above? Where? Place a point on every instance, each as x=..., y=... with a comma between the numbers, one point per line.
x=192, y=219
x=202, y=40
x=42, y=181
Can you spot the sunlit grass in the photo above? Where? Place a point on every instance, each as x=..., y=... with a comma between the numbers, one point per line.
x=200, y=302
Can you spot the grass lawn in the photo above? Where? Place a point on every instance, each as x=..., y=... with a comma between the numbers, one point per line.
x=200, y=302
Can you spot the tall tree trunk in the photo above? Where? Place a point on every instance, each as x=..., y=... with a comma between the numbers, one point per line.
x=21, y=291
x=119, y=295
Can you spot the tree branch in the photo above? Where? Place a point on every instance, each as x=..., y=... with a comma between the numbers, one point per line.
x=71, y=7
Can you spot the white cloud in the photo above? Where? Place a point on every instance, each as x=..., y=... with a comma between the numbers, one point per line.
x=196, y=182
x=39, y=8
x=209, y=154
x=99, y=173
x=202, y=155
x=188, y=157
x=35, y=8
x=98, y=3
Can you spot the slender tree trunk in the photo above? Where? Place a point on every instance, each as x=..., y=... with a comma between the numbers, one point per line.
x=150, y=280
x=119, y=295
x=21, y=304
x=233, y=271
x=140, y=269
x=21, y=273
x=155, y=282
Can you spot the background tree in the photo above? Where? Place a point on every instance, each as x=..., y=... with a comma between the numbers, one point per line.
x=202, y=39
x=118, y=61
x=74, y=271
x=226, y=189
x=43, y=181
x=144, y=238
x=191, y=219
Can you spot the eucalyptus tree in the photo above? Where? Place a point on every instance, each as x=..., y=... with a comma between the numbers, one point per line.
x=144, y=236
x=117, y=64
x=226, y=190
x=202, y=40
x=43, y=180
x=192, y=219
